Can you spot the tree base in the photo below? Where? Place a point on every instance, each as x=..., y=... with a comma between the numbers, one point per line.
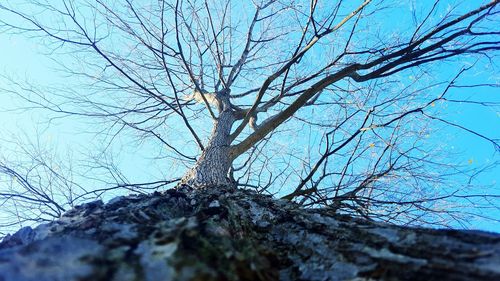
x=220, y=234
x=190, y=183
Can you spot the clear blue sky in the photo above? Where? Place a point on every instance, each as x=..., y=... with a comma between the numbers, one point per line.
x=20, y=57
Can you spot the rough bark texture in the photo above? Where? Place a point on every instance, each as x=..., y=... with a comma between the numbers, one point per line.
x=213, y=166
x=218, y=234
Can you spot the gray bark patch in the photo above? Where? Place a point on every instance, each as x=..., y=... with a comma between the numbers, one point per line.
x=52, y=259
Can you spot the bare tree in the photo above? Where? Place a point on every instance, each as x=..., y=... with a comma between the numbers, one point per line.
x=330, y=76
x=38, y=186
x=35, y=188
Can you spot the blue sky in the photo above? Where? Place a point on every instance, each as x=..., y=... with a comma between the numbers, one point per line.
x=23, y=58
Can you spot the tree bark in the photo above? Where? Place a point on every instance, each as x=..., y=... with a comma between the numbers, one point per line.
x=212, y=168
x=219, y=234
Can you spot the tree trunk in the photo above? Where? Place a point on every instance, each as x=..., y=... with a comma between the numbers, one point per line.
x=218, y=234
x=212, y=168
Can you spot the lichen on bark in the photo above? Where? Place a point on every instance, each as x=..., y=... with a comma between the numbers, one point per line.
x=230, y=234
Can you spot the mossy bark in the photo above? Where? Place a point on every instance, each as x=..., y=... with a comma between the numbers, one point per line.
x=227, y=234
